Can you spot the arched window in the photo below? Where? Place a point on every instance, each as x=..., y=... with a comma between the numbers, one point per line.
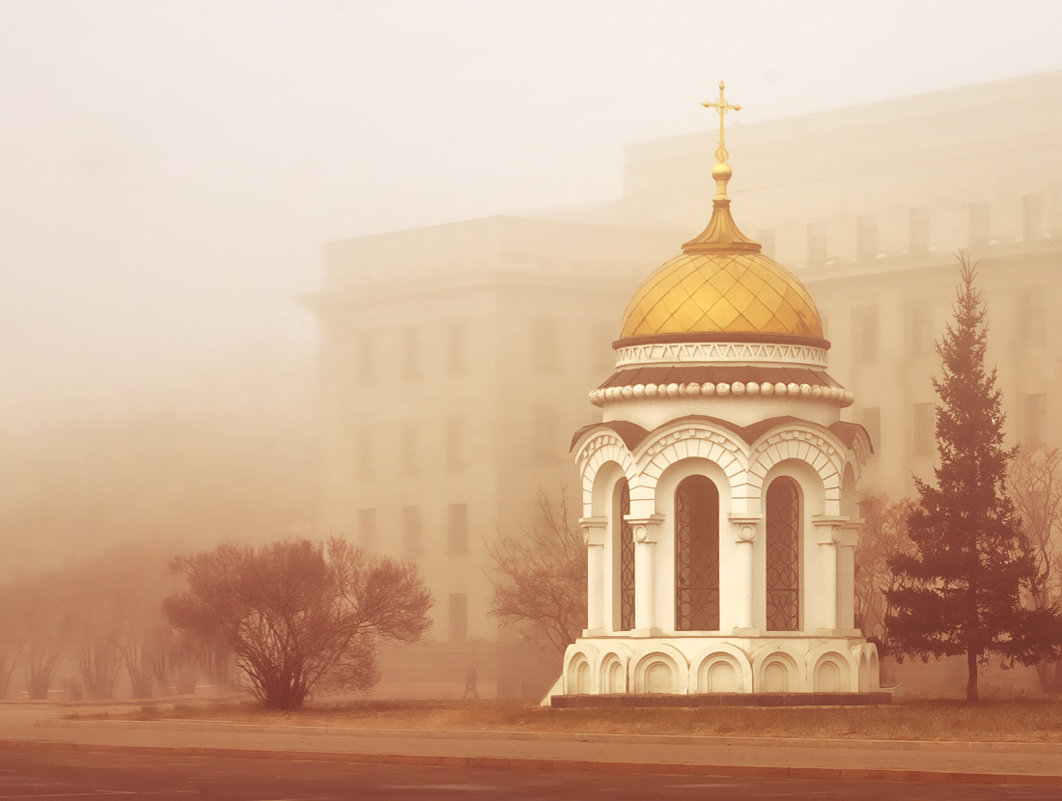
x=783, y=555
x=696, y=555
x=623, y=548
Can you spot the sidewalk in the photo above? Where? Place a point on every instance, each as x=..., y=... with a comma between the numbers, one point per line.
x=1003, y=763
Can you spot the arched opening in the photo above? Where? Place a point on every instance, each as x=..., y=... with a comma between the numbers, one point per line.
x=783, y=555
x=614, y=677
x=623, y=555
x=696, y=555
x=579, y=671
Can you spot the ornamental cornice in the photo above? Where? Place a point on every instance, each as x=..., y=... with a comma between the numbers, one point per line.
x=601, y=440
x=789, y=354
x=838, y=396
x=687, y=433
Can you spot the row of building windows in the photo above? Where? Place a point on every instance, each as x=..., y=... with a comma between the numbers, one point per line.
x=922, y=442
x=547, y=441
x=920, y=334
x=453, y=357
x=868, y=245
x=412, y=531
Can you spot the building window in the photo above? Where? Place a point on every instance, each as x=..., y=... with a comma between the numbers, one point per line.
x=367, y=530
x=544, y=427
x=919, y=329
x=867, y=238
x=409, y=452
x=544, y=344
x=456, y=347
x=1032, y=220
x=457, y=529
x=455, y=443
x=696, y=555
x=366, y=361
x=816, y=243
x=1032, y=323
x=366, y=464
x=766, y=240
x=783, y=555
x=866, y=333
x=871, y=419
x=979, y=223
x=410, y=353
x=918, y=220
x=922, y=429
x=623, y=555
x=412, y=538
x=1035, y=418
x=458, y=616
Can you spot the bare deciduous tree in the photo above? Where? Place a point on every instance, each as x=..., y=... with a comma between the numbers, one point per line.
x=539, y=579
x=8, y=644
x=44, y=631
x=1035, y=483
x=884, y=535
x=298, y=616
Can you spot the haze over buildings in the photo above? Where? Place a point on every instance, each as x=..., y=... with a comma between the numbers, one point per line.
x=170, y=169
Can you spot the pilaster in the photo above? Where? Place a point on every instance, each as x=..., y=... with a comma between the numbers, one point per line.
x=646, y=534
x=594, y=534
x=744, y=527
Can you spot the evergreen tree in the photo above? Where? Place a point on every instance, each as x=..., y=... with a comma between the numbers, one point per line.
x=960, y=591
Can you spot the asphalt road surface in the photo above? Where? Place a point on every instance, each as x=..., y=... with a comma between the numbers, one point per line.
x=37, y=773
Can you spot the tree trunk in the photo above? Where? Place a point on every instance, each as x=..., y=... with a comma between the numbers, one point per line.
x=1056, y=678
x=971, y=681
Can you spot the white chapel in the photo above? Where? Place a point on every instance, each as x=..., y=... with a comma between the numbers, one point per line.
x=719, y=488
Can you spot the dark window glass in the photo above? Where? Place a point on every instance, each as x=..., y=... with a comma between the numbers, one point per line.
x=783, y=556
x=626, y=558
x=697, y=555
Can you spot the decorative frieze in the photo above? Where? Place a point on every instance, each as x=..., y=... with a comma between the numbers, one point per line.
x=714, y=352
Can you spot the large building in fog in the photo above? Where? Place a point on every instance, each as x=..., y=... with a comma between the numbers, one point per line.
x=455, y=359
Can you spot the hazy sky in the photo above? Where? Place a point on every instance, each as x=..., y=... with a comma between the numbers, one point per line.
x=170, y=168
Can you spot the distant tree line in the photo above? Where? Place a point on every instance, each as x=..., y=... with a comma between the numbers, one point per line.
x=278, y=620
x=85, y=628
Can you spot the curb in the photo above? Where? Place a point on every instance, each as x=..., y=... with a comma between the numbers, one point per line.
x=551, y=765
x=999, y=747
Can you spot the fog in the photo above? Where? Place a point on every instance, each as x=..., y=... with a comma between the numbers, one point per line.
x=171, y=172
x=171, y=169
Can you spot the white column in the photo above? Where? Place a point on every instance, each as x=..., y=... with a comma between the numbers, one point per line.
x=594, y=536
x=827, y=534
x=744, y=528
x=846, y=546
x=646, y=533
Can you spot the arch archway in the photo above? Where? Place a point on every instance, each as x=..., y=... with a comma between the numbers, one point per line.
x=783, y=522
x=623, y=574
x=696, y=555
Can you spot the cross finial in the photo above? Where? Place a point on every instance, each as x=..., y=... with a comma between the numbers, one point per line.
x=720, y=105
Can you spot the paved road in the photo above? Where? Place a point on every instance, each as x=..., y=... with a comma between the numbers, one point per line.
x=40, y=772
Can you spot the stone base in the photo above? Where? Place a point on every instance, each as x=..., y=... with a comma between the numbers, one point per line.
x=660, y=701
x=771, y=665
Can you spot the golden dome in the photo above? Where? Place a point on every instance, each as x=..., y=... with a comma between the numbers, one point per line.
x=722, y=284
x=737, y=292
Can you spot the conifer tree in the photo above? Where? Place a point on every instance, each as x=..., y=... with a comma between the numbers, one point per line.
x=960, y=591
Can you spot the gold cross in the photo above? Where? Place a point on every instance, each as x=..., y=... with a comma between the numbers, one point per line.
x=722, y=107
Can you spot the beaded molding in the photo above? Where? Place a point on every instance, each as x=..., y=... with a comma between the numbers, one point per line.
x=838, y=395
